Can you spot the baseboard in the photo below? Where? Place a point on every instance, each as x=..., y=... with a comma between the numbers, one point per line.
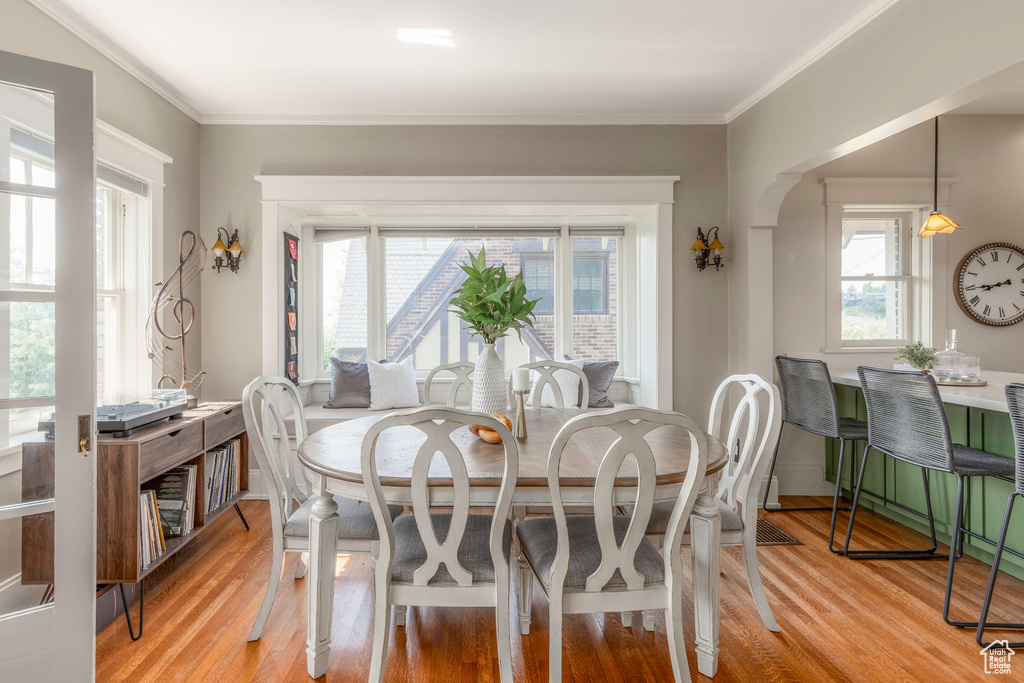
x=802, y=480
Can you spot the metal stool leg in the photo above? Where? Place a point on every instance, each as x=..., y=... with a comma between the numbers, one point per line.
x=839, y=488
x=813, y=508
x=928, y=554
x=983, y=619
x=127, y=617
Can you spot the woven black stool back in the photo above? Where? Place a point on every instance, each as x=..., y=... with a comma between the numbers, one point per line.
x=808, y=397
x=906, y=418
x=1015, y=401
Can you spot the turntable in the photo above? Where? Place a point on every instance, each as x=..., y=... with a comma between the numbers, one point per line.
x=122, y=419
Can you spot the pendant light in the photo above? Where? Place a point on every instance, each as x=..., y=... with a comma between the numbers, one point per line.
x=937, y=221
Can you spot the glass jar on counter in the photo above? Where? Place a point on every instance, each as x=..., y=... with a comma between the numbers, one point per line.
x=947, y=366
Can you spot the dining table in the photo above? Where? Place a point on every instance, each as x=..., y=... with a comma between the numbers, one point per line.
x=332, y=456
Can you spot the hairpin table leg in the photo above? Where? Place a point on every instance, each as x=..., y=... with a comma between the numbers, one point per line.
x=241, y=516
x=127, y=617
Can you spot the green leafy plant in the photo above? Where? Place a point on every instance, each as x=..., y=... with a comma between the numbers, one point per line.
x=917, y=354
x=490, y=301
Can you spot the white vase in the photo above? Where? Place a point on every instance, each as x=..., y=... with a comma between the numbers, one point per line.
x=489, y=392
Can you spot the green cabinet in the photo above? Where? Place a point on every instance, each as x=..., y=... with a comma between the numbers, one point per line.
x=986, y=496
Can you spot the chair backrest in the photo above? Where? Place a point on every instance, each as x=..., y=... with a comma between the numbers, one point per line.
x=437, y=425
x=808, y=397
x=750, y=436
x=906, y=418
x=547, y=369
x=263, y=403
x=1015, y=401
x=462, y=370
x=632, y=425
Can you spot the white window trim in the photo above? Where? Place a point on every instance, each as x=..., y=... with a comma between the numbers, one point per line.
x=646, y=346
x=927, y=256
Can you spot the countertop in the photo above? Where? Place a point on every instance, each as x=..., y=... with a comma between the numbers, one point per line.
x=991, y=397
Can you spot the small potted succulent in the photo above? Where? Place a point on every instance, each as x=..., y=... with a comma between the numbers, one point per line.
x=492, y=304
x=914, y=356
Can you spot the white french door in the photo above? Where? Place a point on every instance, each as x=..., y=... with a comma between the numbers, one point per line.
x=47, y=366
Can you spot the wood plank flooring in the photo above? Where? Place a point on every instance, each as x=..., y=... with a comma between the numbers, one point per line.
x=841, y=620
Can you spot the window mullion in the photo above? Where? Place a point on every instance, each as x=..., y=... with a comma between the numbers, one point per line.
x=563, y=295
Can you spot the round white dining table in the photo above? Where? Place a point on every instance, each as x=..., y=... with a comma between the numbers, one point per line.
x=332, y=455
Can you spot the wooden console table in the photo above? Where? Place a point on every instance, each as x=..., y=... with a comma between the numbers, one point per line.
x=123, y=466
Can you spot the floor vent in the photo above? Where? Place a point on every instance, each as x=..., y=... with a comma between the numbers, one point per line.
x=769, y=534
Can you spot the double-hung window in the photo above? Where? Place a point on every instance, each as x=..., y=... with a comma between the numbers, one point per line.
x=875, y=297
x=123, y=283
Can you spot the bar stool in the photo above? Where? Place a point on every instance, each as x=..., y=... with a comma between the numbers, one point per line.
x=809, y=403
x=906, y=420
x=1015, y=401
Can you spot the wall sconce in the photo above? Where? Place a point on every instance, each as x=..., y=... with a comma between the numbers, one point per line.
x=708, y=254
x=232, y=253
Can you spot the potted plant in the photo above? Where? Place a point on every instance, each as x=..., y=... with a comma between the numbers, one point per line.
x=491, y=303
x=915, y=355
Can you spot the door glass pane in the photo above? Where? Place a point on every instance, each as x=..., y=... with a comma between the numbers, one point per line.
x=26, y=475
x=26, y=136
x=31, y=353
x=595, y=319
x=874, y=310
x=422, y=277
x=32, y=225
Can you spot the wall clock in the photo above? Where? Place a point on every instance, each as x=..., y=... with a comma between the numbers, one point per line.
x=989, y=284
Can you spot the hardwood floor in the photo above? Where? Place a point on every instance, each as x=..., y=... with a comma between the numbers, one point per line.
x=841, y=620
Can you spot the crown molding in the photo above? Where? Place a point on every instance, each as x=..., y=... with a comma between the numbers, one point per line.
x=864, y=17
x=81, y=28
x=462, y=119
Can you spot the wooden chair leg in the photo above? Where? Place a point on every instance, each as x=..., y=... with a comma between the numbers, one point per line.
x=275, y=579
x=503, y=629
x=627, y=619
x=525, y=595
x=400, y=615
x=676, y=638
x=554, y=638
x=300, y=569
x=754, y=579
x=381, y=629
x=649, y=615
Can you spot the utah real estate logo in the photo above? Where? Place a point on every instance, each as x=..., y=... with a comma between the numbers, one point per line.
x=997, y=657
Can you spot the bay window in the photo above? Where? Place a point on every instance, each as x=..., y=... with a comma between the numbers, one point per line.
x=384, y=293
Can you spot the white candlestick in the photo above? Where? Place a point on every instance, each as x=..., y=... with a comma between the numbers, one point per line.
x=520, y=379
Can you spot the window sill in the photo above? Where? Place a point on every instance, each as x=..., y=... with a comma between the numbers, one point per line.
x=863, y=349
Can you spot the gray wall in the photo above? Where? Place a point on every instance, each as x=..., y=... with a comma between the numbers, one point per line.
x=986, y=154
x=232, y=155
x=124, y=102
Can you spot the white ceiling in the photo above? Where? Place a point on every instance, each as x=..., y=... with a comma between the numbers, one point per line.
x=1009, y=100
x=530, y=61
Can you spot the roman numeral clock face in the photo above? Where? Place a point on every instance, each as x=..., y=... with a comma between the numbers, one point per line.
x=989, y=284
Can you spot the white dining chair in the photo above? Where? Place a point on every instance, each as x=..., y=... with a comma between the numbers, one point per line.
x=603, y=562
x=755, y=425
x=263, y=401
x=476, y=547
x=462, y=371
x=546, y=370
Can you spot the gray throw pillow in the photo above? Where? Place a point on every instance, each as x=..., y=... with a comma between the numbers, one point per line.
x=599, y=377
x=350, y=385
